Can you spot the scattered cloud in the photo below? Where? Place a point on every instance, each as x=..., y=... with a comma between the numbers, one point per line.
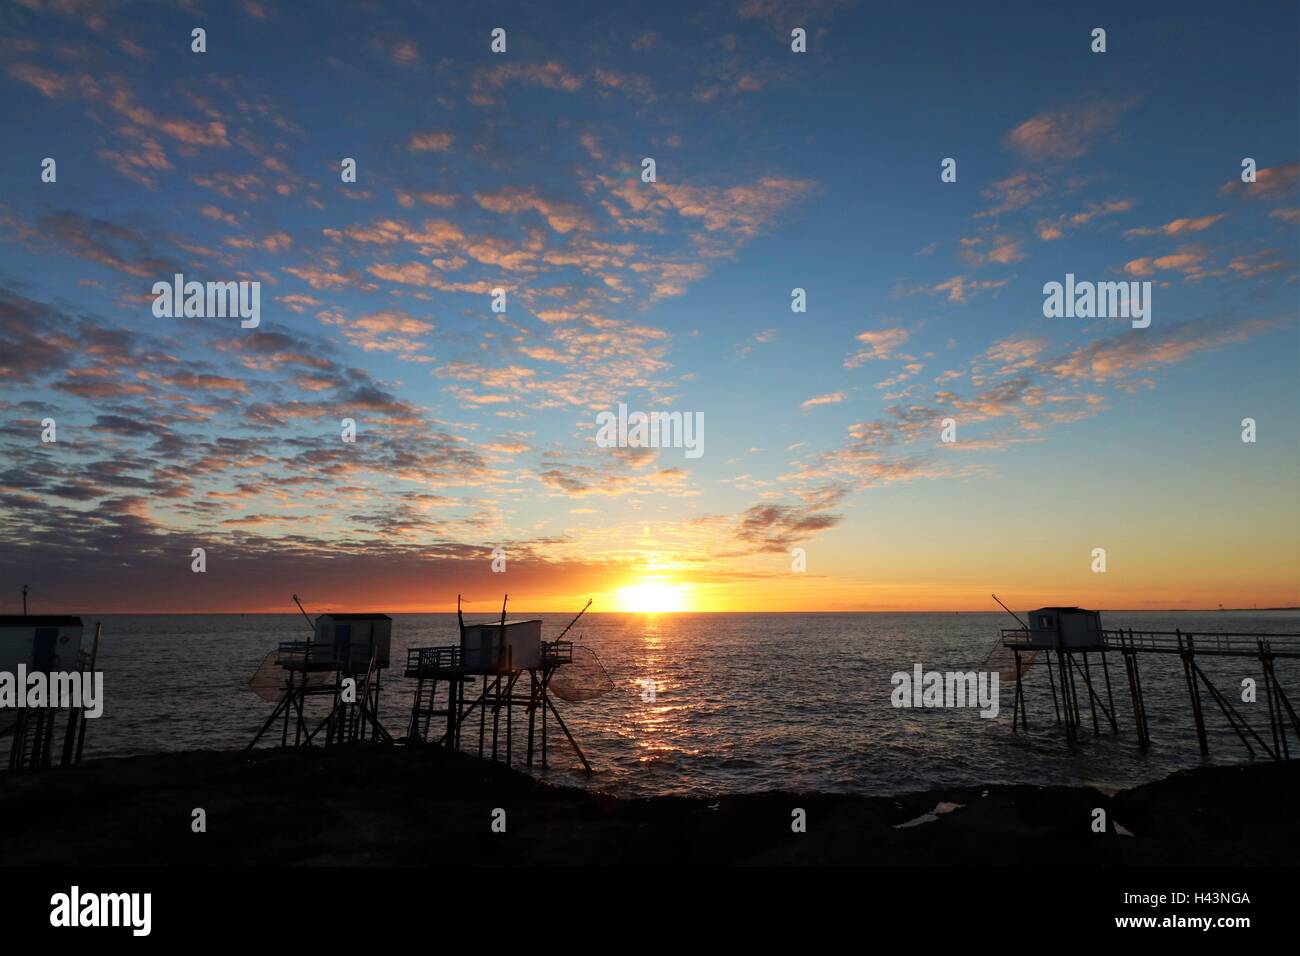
x=1066, y=133
x=830, y=398
x=1177, y=227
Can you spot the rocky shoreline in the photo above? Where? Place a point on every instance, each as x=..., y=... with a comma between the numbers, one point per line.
x=373, y=805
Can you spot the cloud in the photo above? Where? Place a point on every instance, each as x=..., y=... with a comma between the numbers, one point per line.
x=430, y=142
x=108, y=244
x=404, y=52
x=1177, y=227
x=781, y=14
x=1000, y=250
x=591, y=143
x=1015, y=353
x=1186, y=260
x=551, y=75
x=212, y=212
x=31, y=343
x=580, y=481
x=765, y=337
x=299, y=303
x=1271, y=184
x=139, y=163
x=778, y=528
x=736, y=212
x=1049, y=230
x=1125, y=355
x=959, y=288
x=407, y=199
x=562, y=217
x=330, y=275
x=389, y=330
x=1250, y=265
x=830, y=398
x=1015, y=192
x=881, y=344
x=179, y=128
x=1065, y=133
x=47, y=82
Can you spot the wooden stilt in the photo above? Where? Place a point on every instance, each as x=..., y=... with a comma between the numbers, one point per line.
x=1110, y=697
x=532, y=713
x=1056, y=708
x=560, y=720
x=1188, y=654
x=1235, y=720
x=1094, y=701
x=1015, y=705
x=1092, y=698
x=284, y=737
x=1069, y=706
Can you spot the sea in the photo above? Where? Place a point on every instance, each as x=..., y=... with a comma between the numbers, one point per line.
x=724, y=703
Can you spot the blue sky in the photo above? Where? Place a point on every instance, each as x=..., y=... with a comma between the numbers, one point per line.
x=775, y=170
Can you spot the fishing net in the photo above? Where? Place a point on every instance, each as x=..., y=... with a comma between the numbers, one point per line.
x=584, y=679
x=1002, y=660
x=270, y=679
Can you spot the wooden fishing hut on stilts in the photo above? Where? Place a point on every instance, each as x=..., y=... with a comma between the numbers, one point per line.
x=517, y=671
x=52, y=646
x=344, y=661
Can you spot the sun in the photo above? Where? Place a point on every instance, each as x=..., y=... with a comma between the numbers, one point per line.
x=652, y=597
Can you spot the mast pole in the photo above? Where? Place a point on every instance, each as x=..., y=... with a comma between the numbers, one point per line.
x=1011, y=612
x=310, y=622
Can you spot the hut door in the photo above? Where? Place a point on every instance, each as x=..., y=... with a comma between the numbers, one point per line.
x=342, y=642
x=43, y=649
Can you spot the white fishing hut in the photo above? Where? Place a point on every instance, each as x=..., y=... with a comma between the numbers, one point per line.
x=1066, y=628
x=499, y=648
x=340, y=641
x=43, y=643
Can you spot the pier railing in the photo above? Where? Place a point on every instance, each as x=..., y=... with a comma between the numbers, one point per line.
x=443, y=658
x=448, y=658
x=557, y=652
x=307, y=655
x=1221, y=643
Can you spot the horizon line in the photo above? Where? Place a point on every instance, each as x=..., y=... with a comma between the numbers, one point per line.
x=263, y=613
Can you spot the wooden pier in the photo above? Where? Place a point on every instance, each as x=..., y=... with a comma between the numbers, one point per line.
x=1072, y=667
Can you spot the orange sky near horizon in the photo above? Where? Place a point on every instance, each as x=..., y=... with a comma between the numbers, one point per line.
x=652, y=594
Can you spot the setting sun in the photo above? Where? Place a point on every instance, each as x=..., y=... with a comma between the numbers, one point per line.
x=652, y=597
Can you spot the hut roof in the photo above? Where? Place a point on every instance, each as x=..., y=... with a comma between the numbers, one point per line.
x=39, y=620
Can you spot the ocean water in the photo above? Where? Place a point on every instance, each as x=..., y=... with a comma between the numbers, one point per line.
x=743, y=702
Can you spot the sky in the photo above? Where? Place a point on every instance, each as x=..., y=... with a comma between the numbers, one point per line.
x=823, y=481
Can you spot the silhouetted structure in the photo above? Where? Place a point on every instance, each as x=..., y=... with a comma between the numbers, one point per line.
x=501, y=654
x=1073, y=633
x=344, y=660
x=51, y=645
